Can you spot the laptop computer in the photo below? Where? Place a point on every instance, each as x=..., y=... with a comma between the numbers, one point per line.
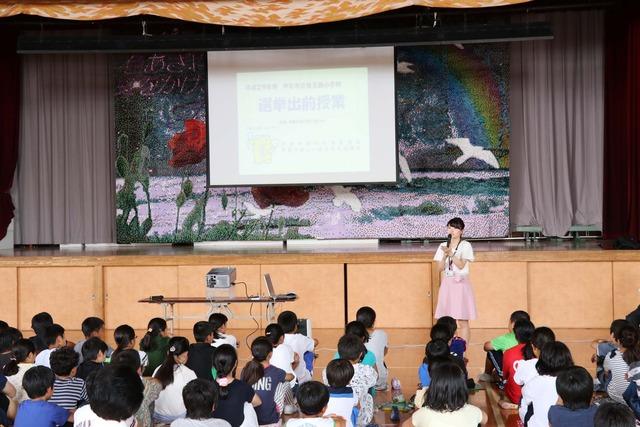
x=271, y=293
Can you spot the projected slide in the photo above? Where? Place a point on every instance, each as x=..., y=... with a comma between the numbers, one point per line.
x=303, y=121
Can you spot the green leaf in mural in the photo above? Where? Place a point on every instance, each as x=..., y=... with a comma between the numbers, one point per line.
x=181, y=199
x=146, y=227
x=187, y=187
x=122, y=166
x=224, y=200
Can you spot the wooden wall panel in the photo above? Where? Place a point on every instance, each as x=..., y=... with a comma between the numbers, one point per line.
x=191, y=279
x=500, y=289
x=124, y=286
x=320, y=289
x=571, y=294
x=399, y=293
x=65, y=292
x=626, y=288
x=9, y=295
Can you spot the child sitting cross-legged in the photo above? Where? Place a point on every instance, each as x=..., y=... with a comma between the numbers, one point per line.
x=523, y=330
x=342, y=400
x=38, y=411
x=200, y=398
x=378, y=343
x=575, y=387
x=300, y=344
x=313, y=398
x=155, y=344
x=219, y=324
x=525, y=370
x=94, y=353
x=24, y=354
x=201, y=352
x=69, y=392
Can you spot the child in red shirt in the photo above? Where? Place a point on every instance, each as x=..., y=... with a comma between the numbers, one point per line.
x=523, y=330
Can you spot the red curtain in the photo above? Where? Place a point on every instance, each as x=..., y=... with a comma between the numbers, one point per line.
x=621, y=213
x=9, y=110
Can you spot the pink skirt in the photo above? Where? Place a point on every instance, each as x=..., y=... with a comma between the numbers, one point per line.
x=456, y=299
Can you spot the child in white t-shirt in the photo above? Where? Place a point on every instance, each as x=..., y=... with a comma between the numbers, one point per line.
x=219, y=323
x=525, y=370
x=299, y=343
x=378, y=343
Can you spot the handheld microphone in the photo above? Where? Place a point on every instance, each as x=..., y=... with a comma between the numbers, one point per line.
x=448, y=239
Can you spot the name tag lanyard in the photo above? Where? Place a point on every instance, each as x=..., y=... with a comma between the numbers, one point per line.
x=451, y=257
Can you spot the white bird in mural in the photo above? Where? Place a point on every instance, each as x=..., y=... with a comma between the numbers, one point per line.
x=256, y=211
x=343, y=195
x=404, y=67
x=404, y=167
x=472, y=151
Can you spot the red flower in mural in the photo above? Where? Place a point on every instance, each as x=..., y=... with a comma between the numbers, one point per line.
x=189, y=147
x=287, y=196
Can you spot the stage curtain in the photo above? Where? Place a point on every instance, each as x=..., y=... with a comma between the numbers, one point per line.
x=9, y=110
x=246, y=13
x=622, y=124
x=557, y=116
x=65, y=171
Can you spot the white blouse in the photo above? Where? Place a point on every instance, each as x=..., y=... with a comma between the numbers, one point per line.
x=464, y=251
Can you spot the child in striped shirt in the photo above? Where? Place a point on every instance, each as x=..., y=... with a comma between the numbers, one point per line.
x=69, y=392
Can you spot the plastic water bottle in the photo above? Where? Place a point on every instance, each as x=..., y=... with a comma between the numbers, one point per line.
x=396, y=391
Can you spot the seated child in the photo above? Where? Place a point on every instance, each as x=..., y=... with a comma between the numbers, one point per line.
x=446, y=400
x=200, y=398
x=443, y=331
x=357, y=328
x=155, y=344
x=575, y=387
x=115, y=393
x=616, y=363
x=523, y=330
x=457, y=345
x=313, y=398
x=69, y=392
x=53, y=339
x=342, y=400
x=39, y=324
x=125, y=338
x=284, y=358
x=602, y=349
x=378, y=343
x=299, y=343
x=201, y=352
x=613, y=414
x=436, y=351
x=525, y=370
x=94, y=352
x=24, y=354
x=497, y=346
x=91, y=327
x=219, y=324
x=38, y=384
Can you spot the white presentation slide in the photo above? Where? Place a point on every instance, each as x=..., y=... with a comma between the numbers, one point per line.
x=315, y=116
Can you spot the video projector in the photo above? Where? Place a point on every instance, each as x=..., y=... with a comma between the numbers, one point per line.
x=220, y=282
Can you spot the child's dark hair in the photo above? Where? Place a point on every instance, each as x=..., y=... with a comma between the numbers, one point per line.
x=435, y=350
x=575, y=387
x=129, y=358
x=628, y=338
x=3, y=325
x=554, y=357
x=519, y=315
x=225, y=360
x=124, y=335
x=200, y=396
x=367, y=316
x=440, y=331
x=456, y=223
x=63, y=361
x=541, y=336
x=51, y=334
x=91, y=348
x=20, y=350
x=91, y=325
x=358, y=329
x=40, y=321
x=450, y=322
x=201, y=330
x=274, y=332
x=523, y=330
x=261, y=347
x=177, y=346
x=615, y=326
x=155, y=327
x=351, y=347
x=217, y=321
x=448, y=390
x=614, y=414
x=8, y=337
x=37, y=380
x=115, y=392
x=312, y=396
x=339, y=373
x=289, y=321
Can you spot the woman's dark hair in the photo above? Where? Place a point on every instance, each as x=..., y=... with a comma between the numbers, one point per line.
x=40, y=321
x=339, y=373
x=435, y=349
x=351, y=347
x=450, y=322
x=523, y=330
x=367, y=316
x=456, y=223
x=554, y=357
x=129, y=358
x=217, y=320
x=154, y=328
x=91, y=348
x=37, y=380
x=201, y=330
x=440, y=331
x=115, y=392
x=614, y=414
x=124, y=335
x=541, y=336
x=312, y=396
x=225, y=360
x=289, y=321
x=628, y=338
x=20, y=350
x=253, y=370
x=63, y=361
x=177, y=346
x=575, y=387
x=448, y=390
x=274, y=332
x=200, y=396
x=358, y=329
x=91, y=325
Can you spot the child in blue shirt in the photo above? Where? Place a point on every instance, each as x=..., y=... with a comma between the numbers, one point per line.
x=342, y=400
x=575, y=386
x=38, y=383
